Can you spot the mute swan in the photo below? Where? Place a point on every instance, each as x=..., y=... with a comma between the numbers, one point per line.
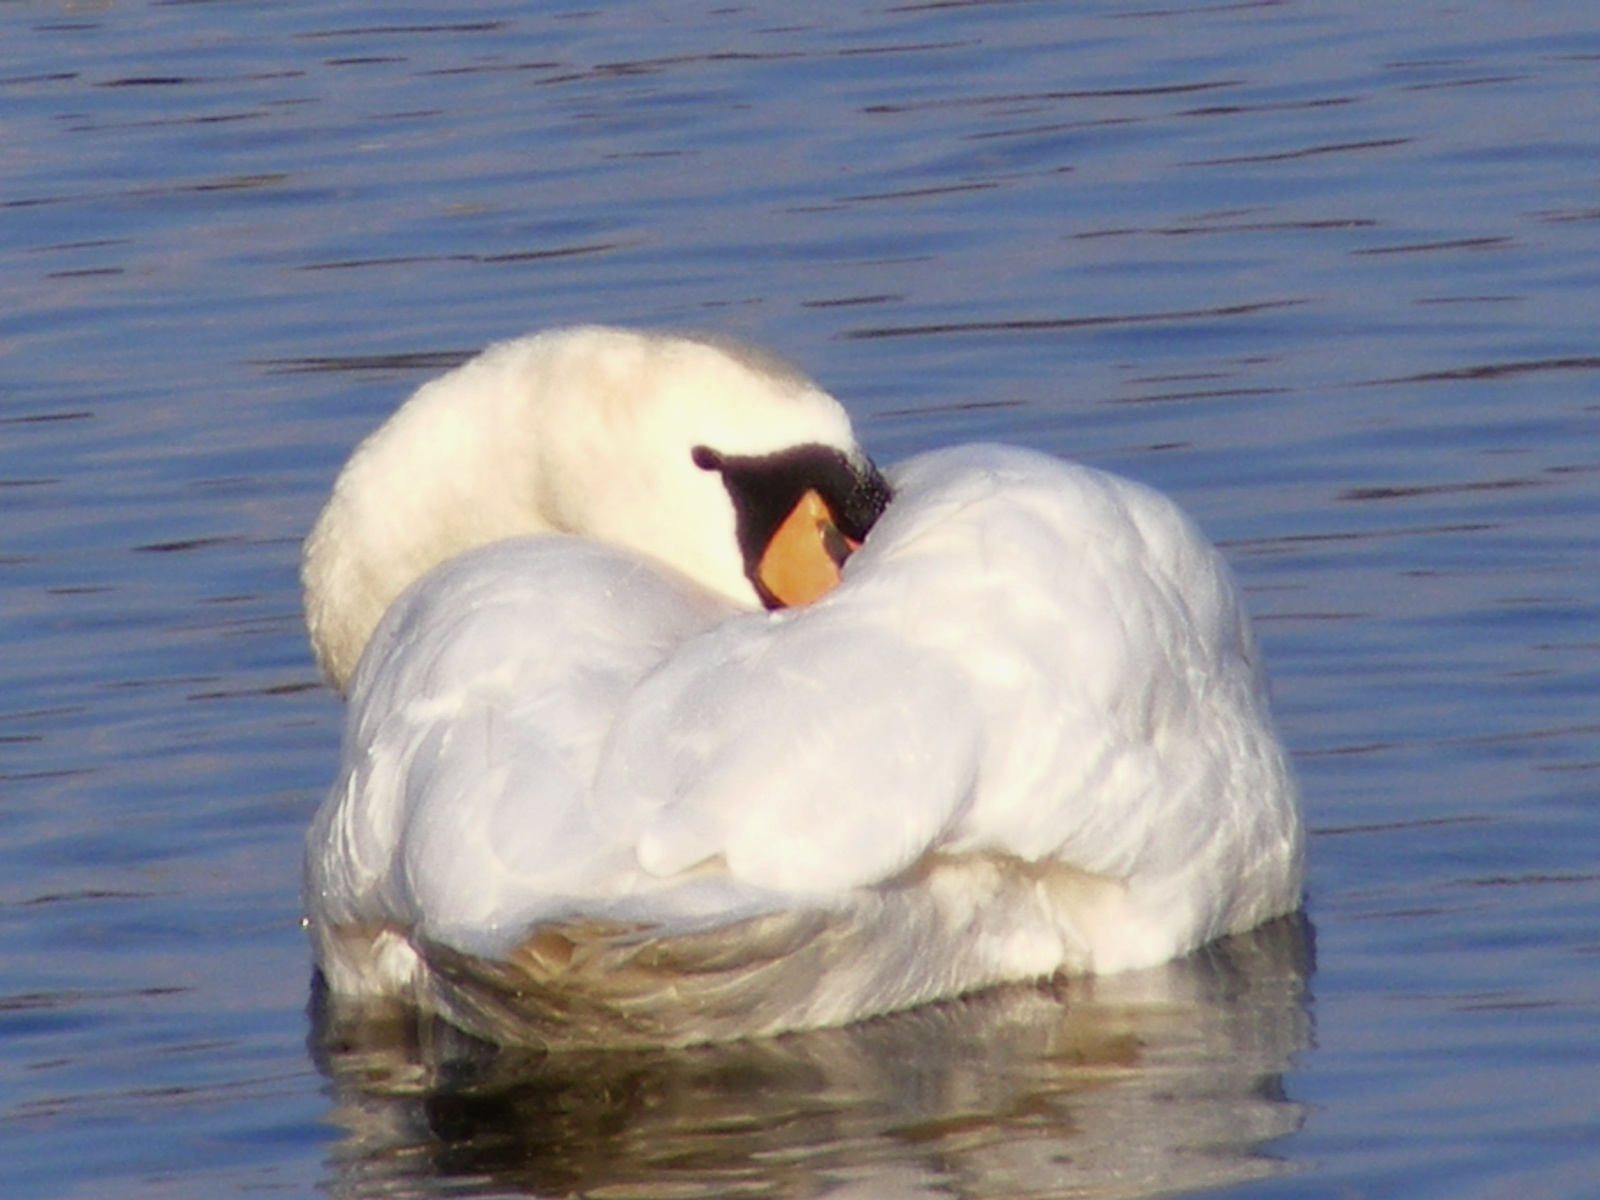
x=616, y=771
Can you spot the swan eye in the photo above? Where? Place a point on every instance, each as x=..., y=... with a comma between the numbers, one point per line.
x=836, y=546
x=799, y=514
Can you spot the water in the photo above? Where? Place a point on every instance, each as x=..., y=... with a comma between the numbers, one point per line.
x=1327, y=272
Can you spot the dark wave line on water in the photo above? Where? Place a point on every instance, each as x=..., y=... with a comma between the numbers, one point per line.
x=1496, y=242
x=56, y=712
x=71, y=997
x=1235, y=110
x=510, y=256
x=1384, y=826
x=1292, y=540
x=921, y=193
x=1582, y=729
x=185, y=545
x=47, y=77
x=1410, y=491
x=1484, y=298
x=365, y=60
x=961, y=406
x=1534, y=879
x=88, y=244
x=852, y=301
x=1305, y=152
x=1127, y=93
x=1046, y=324
x=1054, y=127
x=92, y=895
x=641, y=67
x=423, y=360
x=386, y=30
x=1233, y=393
x=1146, y=14
x=47, y=776
x=1476, y=81
x=48, y=418
x=147, y=81
x=1503, y=370
x=228, y=118
x=491, y=68
x=1562, y=216
x=224, y=183
x=294, y=687
x=152, y=81
x=1216, y=225
x=1571, y=768
x=649, y=66
x=937, y=5
x=905, y=48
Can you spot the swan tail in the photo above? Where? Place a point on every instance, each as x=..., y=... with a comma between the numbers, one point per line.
x=587, y=983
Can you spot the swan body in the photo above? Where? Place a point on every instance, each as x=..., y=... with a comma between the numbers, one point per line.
x=588, y=797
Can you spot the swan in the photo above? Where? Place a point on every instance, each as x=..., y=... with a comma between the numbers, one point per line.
x=670, y=719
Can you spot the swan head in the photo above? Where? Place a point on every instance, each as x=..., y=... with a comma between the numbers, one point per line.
x=718, y=460
x=799, y=514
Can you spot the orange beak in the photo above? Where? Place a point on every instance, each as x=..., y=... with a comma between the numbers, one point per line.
x=804, y=558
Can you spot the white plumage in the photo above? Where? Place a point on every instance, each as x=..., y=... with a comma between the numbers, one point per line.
x=587, y=799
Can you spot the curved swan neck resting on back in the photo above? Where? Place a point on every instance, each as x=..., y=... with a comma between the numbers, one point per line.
x=589, y=431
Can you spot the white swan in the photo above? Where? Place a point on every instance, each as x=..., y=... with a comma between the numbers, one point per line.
x=592, y=794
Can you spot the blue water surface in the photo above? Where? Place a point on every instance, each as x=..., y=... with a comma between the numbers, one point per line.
x=1327, y=272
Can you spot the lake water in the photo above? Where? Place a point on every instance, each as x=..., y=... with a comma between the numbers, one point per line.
x=1326, y=271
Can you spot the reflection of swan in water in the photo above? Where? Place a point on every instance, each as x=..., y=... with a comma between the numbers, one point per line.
x=1151, y=1082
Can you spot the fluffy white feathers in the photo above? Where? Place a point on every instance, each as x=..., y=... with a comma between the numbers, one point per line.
x=586, y=431
x=584, y=798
